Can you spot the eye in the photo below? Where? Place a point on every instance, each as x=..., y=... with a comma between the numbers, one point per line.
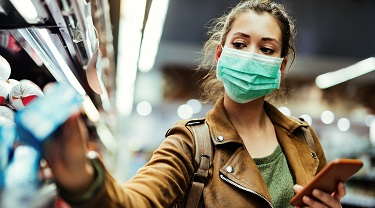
x=267, y=51
x=238, y=45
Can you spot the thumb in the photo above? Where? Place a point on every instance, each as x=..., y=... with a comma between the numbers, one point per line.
x=297, y=188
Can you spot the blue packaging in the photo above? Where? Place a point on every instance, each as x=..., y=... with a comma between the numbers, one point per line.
x=23, y=169
x=7, y=139
x=37, y=121
x=20, y=179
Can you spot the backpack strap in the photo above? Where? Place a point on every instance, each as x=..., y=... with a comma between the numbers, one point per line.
x=305, y=133
x=203, y=158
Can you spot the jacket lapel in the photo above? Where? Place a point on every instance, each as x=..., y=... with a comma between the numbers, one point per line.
x=300, y=157
x=245, y=173
x=298, y=154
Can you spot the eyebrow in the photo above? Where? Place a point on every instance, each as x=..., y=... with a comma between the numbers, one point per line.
x=263, y=39
x=271, y=39
x=242, y=34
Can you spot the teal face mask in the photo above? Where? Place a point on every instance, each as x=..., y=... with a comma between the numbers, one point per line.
x=246, y=75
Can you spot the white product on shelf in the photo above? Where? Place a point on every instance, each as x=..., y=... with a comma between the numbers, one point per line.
x=7, y=112
x=4, y=91
x=12, y=82
x=4, y=69
x=24, y=93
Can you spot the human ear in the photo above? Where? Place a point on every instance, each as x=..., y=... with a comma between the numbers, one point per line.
x=283, y=65
x=218, y=52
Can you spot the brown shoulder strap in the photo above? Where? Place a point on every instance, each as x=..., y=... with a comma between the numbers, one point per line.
x=305, y=133
x=308, y=137
x=203, y=158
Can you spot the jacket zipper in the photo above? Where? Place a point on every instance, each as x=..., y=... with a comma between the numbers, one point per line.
x=224, y=178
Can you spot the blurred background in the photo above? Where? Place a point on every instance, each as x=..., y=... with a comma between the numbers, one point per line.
x=135, y=61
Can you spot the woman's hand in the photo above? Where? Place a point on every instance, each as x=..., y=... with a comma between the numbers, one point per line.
x=65, y=152
x=324, y=199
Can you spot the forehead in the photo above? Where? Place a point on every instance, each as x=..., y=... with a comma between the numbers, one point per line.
x=252, y=23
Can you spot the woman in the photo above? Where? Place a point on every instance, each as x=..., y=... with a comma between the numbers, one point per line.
x=257, y=159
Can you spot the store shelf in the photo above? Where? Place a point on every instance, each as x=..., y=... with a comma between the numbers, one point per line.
x=64, y=38
x=353, y=199
x=68, y=45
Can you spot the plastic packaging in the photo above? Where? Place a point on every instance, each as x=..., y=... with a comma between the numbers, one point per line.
x=21, y=178
x=7, y=139
x=42, y=117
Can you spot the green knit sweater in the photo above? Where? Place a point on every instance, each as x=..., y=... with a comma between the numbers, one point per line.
x=275, y=171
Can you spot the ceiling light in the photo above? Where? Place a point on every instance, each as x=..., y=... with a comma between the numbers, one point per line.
x=152, y=34
x=60, y=60
x=26, y=9
x=343, y=124
x=185, y=111
x=285, y=111
x=90, y=109
x=307, y=118
x=195, y=104
x=144, y=108
x=336, y=77
x=129, y=45
x=327, y=117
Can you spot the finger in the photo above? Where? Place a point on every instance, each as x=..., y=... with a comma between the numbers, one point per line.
x=326, y=198
x=68, y=143
x=75, y=141
x=310, y=202
x=297, y=188
x=340, y=192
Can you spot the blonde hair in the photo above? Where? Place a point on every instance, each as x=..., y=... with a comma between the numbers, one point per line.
x=211, y=88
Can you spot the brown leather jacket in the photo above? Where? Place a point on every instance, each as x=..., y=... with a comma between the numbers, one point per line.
x=164, y=179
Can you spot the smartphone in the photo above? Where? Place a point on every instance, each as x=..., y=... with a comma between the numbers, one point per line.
x=337, y=170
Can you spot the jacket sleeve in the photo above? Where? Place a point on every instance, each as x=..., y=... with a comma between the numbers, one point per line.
x=159, y=183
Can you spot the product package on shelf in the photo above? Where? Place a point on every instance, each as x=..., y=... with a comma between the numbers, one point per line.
x=19, y=173
x=42, y=117
x=7, y=140
x=5, y=69
x=23, y=93
x=21, y=143
x=14, y=94
x=20, y=178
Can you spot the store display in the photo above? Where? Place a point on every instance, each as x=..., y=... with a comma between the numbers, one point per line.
x=5, y=121
x=7, y=113
x=28, y=114
x=9, y=42
x=12, y=82
x=4, y=69
x=7, y=139
x=24, y=158
x=20, y=178
x=4, y=91
x=42, y=117
x=21, y=142
x=23, y=93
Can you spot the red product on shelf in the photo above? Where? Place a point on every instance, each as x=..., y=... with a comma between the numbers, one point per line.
x=23, y=93
x=60, y=203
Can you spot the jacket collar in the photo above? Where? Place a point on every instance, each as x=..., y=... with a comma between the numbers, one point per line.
x=287, y=123
x=220, y=125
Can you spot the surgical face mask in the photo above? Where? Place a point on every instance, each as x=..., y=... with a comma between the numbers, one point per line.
x=247, y=76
